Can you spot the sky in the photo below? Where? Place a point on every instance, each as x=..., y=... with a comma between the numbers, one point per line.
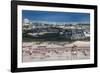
x=51, y=16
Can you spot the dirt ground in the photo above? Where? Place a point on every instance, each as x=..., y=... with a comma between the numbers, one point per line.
x=46, y=51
